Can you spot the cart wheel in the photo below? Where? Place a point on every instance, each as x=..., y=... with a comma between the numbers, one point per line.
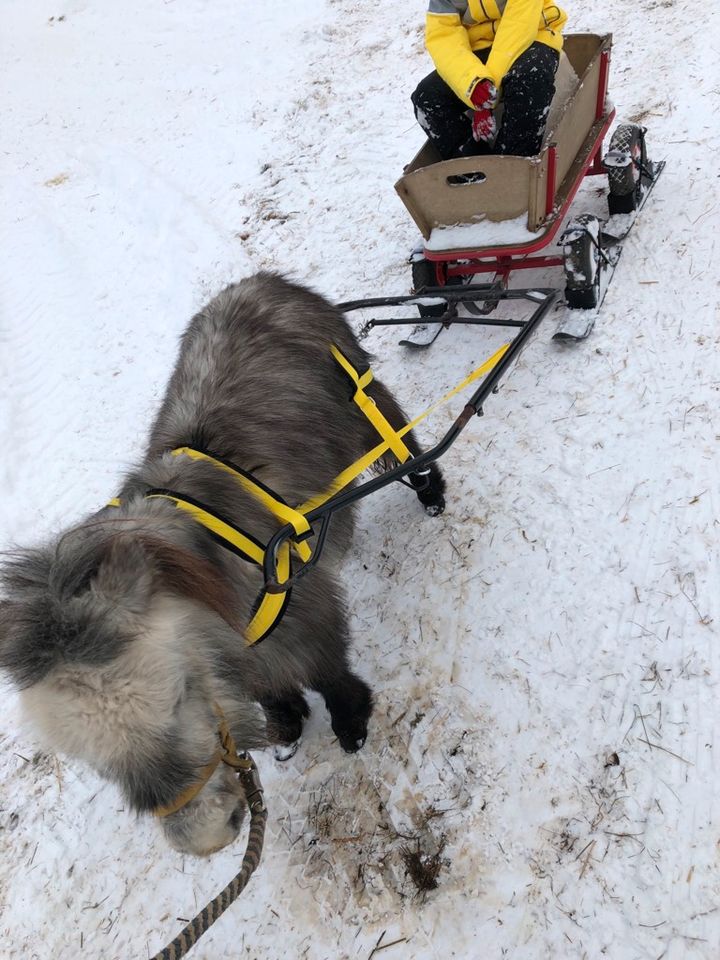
x=625, y=180
x=581, y=247
x=428, y=274
x=484, y=308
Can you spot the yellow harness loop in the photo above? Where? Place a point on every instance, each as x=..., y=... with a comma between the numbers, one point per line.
x=271, y=605
x=277, y=507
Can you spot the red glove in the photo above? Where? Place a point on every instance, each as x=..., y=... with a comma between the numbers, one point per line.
x=484, y=98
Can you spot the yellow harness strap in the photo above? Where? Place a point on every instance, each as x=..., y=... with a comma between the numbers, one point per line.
x=269, y=500
x=367, y=460
x=192, y=791
x=369, y=407
x=226, y=752
x=271, y=605
x=247, y=546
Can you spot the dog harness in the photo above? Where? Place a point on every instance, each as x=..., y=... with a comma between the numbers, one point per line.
x=270, y=607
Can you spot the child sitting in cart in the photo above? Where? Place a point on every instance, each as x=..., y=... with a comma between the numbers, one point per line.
x=487, y=52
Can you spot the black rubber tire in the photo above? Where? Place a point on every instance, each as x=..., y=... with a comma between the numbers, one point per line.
x=582, y=262
x=581, y=299
x=424, y=274
x=625, y=183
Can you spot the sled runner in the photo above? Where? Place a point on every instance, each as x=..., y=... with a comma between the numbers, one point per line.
x=495, y=215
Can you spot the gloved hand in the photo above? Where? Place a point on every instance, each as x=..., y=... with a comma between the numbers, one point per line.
x=484, y=98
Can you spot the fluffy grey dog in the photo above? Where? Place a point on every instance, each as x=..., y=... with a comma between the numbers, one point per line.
x=125, y=633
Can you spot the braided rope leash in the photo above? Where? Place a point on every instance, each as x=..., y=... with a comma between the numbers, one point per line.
x=191, y=933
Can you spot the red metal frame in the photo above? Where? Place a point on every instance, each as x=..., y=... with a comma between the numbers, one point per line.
x=502, y=260
x=602, y=84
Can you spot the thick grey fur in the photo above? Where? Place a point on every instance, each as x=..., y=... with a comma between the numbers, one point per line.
x=118, y=668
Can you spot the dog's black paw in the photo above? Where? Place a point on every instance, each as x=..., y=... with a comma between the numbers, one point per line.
x=286, y=751
x=435, y=508
x=429, y=485
x=352, y=737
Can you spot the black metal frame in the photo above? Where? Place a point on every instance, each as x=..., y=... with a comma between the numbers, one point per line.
x=545, y=298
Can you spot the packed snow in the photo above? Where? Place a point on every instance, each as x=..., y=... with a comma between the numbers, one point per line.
x=483, y=233
x=544, y=655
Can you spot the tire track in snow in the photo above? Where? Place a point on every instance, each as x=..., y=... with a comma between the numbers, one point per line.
x=37, y=311
x=331, y=150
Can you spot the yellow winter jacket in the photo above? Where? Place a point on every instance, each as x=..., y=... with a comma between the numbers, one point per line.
x=455, y=28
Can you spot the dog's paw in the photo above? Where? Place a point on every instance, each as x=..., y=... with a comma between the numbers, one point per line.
x=429, y=485
x=353, y=737
x=435, y=509
x=286, y=751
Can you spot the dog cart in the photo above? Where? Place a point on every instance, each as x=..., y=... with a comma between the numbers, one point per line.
x=497, y=215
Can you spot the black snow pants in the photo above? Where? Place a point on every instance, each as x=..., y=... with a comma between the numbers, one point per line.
x=527, y=90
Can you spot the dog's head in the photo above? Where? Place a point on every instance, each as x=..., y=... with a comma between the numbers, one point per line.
x=107, y=636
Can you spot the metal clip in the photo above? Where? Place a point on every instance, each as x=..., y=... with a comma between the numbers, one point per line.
x=250, y=780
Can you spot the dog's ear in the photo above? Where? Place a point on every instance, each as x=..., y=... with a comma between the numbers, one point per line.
x=12, y=660
x=24, y=579
x=196, y=578
x=7, y=631
x=124, y=576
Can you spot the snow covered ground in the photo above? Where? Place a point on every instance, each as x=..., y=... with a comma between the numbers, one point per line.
x=545, y=655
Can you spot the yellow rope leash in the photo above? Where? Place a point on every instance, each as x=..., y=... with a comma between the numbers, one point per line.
x=252, y=788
